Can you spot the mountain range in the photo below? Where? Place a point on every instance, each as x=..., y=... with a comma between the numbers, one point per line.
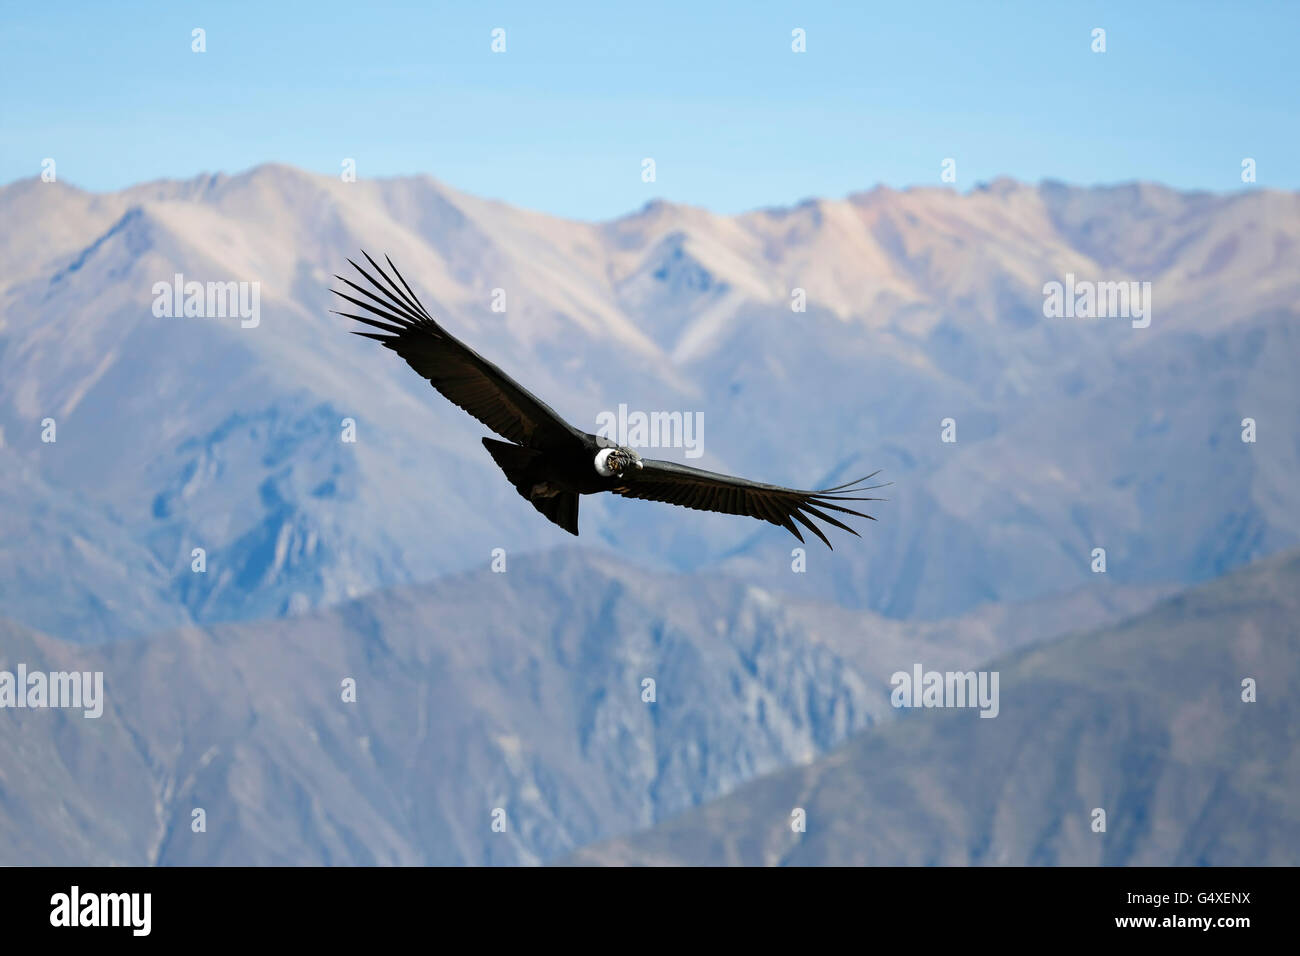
x=922, y=306
x=242, y=522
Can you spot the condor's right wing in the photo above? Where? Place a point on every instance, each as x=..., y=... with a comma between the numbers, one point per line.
x=707, y=491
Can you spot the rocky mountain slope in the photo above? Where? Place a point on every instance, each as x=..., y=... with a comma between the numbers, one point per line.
x=1145, y=721
x=521, y=691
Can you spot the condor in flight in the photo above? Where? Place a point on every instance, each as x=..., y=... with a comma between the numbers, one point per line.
x=549, y=461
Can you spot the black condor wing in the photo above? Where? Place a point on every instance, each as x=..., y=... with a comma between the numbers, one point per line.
x=452, y=367
x=707, y=491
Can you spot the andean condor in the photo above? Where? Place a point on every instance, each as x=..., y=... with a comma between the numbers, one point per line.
x=549, y=461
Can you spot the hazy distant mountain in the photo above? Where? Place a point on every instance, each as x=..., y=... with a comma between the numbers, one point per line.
x=183, y=433
x=520, y=690
x=1145, y=721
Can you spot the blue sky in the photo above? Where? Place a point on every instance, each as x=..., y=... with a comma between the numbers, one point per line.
x=712, y=91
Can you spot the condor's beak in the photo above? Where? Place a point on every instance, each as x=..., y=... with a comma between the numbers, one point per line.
x=639, y=466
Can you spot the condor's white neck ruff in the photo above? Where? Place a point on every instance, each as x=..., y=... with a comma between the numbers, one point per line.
x=602, y=463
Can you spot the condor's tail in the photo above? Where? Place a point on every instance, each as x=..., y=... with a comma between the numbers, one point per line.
x=516, y=461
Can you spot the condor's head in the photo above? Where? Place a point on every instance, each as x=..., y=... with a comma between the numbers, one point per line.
x=612, y=462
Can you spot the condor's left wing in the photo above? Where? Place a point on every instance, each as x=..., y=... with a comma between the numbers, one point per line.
x=706, y=491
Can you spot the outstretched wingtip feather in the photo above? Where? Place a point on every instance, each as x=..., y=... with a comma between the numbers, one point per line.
x=818, y=513
x=411, y=302
x=371, y=322
x=807, y=523
x=408, y=288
